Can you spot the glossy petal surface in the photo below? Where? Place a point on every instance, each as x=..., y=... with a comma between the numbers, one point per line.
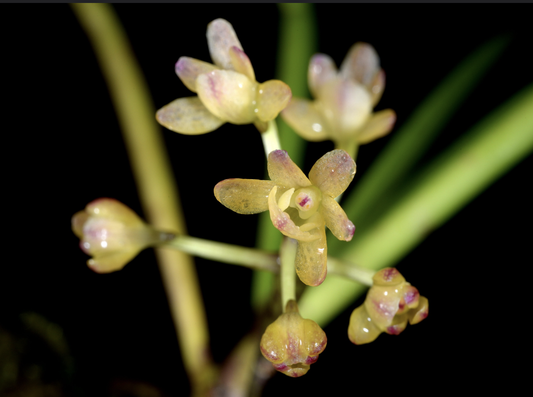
x=228, y=95
x=188, y=70
x=361, y=63
x=305, y=119
x=284, y=172
x=112, y=262
x=292, y=343
x=321, y=70
x=333, y=172
x=241, y=63
x=311, y=259
x=336, y=219
x=188, y=116
x=379, y=125
x=272, y=97
x=362, y=329
x=244, y=196
x=220, y=38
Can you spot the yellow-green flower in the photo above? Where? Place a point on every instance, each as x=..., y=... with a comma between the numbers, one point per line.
x=292, y=343
x=300, y=207
x=112, y=234
x=390, y=303
x=227, y=91
x=344, y=99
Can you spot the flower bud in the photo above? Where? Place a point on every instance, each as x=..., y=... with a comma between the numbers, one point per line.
x=112, y=234
x=390, y=303
x=292, y=343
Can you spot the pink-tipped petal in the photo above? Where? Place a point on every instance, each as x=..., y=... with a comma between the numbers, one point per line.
x=346, y=104
x=228, y=95
x=379, y=125
x=284, y=172
x=321, y=69
x=188, y=116
x=376, y=87
x=311, y=260
x=336, y=219
x=241, y=63
x=188, y=70
x=220, y=38
x=272, y=97
x=361, y=63
x=303, y=117
x=333, y=172
x=244, y=196
x=283, y=222
x=421, y=312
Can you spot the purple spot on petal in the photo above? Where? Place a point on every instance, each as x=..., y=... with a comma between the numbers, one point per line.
x=304, y=201
x=280, y=367
x=423, y=315
x=394, y=330
x=311, y=359
x=213, y=86
x=280, y=223
x=411, y=295
x=389, y=273
x=401, y=305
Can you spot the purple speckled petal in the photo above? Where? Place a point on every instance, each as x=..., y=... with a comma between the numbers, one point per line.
x=379, y=125
x=283, y=222
x=244, y=196
x=361, y=63
x=228, y=95
x=188, y=70
x=336, y=219
x=241, y=63
x=333, y=172
x=220, y=38
x=303, y=117
x=284, y=172
x=311, y=260
x=346, y=105
x=272, y=97
x=321, y=69
x=188, y=116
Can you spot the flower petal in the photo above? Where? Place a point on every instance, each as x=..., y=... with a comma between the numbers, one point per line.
x=241, y=63
x=220, y=38
x=303, y=117
x=362, y=329
x=284, y=172
x=311, y=260
x=188, y=70
x=333, y=172
x=321, y=69
x=78, y=221
x=379, y=125
x=112, y=262
x=346, y=105
x=421, y=312
x=377, y=87
x=336, y=219
x=228, y=95
x=361, y=63
x=244, y=196
x=272, y=97
x=111, y=209
x=188, y=116
x=283, y=222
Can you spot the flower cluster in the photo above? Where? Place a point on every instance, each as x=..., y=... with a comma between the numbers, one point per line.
x=300, y=207
x=227, y=91
x=292, y=343
x=112, y=234
x=390, y=303
x=344, y=99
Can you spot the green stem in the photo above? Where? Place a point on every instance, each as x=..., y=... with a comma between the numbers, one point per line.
x=270, y=138
x=288, y=272
x=495, y=145
x=226, y=253
x=155, y=183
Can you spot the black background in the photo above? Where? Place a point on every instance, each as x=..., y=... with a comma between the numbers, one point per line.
x=62, y=148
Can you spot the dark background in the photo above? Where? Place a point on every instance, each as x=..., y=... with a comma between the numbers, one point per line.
x=63, y=148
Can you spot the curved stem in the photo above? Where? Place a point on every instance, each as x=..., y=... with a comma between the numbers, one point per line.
x=155, y=183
